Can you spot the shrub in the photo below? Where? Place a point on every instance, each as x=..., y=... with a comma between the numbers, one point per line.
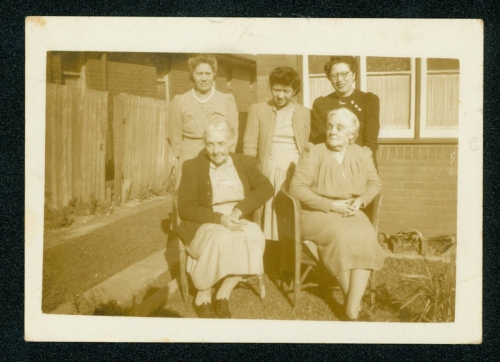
x=430, y=297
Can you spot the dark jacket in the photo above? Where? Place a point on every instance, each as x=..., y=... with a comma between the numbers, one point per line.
x=366, y=106
x=195, y=193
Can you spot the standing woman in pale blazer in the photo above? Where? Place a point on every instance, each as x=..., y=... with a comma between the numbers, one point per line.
x=276, y=133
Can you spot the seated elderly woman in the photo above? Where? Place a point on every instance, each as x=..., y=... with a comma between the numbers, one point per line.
x=219, y=190
x=333, y=180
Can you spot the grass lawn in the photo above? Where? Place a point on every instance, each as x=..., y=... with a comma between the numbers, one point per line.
x=316, y=304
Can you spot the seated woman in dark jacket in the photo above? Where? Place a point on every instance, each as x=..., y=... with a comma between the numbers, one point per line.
x=218, y=192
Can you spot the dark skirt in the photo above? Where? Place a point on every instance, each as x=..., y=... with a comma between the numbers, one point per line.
x=344, y=243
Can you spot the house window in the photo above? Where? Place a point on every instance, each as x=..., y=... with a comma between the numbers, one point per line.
x=440, y=100
x=393, y=81
x=419, y=97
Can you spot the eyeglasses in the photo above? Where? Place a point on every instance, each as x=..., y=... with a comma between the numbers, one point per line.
x=343, y=75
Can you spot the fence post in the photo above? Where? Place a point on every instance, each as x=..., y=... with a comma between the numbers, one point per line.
x=118, y=142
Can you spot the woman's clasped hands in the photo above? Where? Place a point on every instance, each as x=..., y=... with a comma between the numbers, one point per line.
x=232, y=221
x=347, y=207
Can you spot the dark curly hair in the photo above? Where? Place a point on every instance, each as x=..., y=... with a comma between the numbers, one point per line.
x=286, y=76
x=347, y=59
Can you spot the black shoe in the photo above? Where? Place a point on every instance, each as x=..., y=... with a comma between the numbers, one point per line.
x=204, y=310
x=221, y=307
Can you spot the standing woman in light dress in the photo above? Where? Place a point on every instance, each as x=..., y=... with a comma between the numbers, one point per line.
x=276, y=133
x=192, y=112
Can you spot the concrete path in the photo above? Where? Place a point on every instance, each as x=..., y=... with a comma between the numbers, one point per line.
x=136, y=285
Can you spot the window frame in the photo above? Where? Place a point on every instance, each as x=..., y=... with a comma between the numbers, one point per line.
x=418, y=107
x=424, y=132
x=417, y=133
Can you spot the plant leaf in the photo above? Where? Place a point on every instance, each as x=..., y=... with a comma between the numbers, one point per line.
x=409, y=300
x=415, y=276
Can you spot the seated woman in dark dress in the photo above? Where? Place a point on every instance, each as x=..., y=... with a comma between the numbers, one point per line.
x=342, y=72
x=218, y=192
x=333, y=180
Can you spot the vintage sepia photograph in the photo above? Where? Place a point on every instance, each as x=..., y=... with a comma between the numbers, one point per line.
x=280, y=188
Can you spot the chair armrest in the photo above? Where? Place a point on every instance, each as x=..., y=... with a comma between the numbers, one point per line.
x=375, y=211
x=176, y=220
x=296, y=211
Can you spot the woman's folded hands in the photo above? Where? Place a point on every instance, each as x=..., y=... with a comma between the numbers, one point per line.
x=232, y=221
x=347, y=207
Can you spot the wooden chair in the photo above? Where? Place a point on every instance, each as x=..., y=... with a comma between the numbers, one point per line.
x=305, y=251
x=183, y=260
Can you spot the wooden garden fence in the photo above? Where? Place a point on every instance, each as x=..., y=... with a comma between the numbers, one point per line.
x=143, y=160
x=76, y=123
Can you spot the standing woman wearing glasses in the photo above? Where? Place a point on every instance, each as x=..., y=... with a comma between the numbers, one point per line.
x=342, y=72
x=276, y=133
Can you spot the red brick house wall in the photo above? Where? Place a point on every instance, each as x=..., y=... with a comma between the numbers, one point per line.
x=243, y=87
x=419, y=188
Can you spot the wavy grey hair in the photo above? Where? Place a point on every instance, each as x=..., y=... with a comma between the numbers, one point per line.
x=220, y=126
x=353, y=125
x=198, y=59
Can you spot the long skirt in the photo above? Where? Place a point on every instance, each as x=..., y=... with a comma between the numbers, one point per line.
x=344, y=243
x=217, y=252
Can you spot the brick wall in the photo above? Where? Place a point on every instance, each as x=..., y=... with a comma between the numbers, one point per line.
x=243, y=89
x=221, y=79
x=122, y=78
x=419, y=188
x=133, y=79
x=266, y=64
x=178, y=77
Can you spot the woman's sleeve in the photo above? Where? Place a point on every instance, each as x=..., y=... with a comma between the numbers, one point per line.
x=189, y=208
x=372, y=122
x=174, y=128
x=233, y=118
x=300, y=186
x=318, y=124
x=251, y=138
x=374, y=183
x=260, y=186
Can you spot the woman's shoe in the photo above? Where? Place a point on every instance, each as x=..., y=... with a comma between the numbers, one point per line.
x=363, y=316
x=204, y=310
x=221, y=307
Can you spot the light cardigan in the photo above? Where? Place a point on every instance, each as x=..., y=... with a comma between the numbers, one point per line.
x=319, y=179
x=260, y=128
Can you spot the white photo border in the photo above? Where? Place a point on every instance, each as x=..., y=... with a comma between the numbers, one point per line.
x=462, y=39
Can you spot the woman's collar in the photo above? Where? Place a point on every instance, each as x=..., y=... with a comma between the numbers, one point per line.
x=290, y=104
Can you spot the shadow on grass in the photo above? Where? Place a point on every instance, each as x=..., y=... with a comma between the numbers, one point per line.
x=112, y=308
x=152, y=304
